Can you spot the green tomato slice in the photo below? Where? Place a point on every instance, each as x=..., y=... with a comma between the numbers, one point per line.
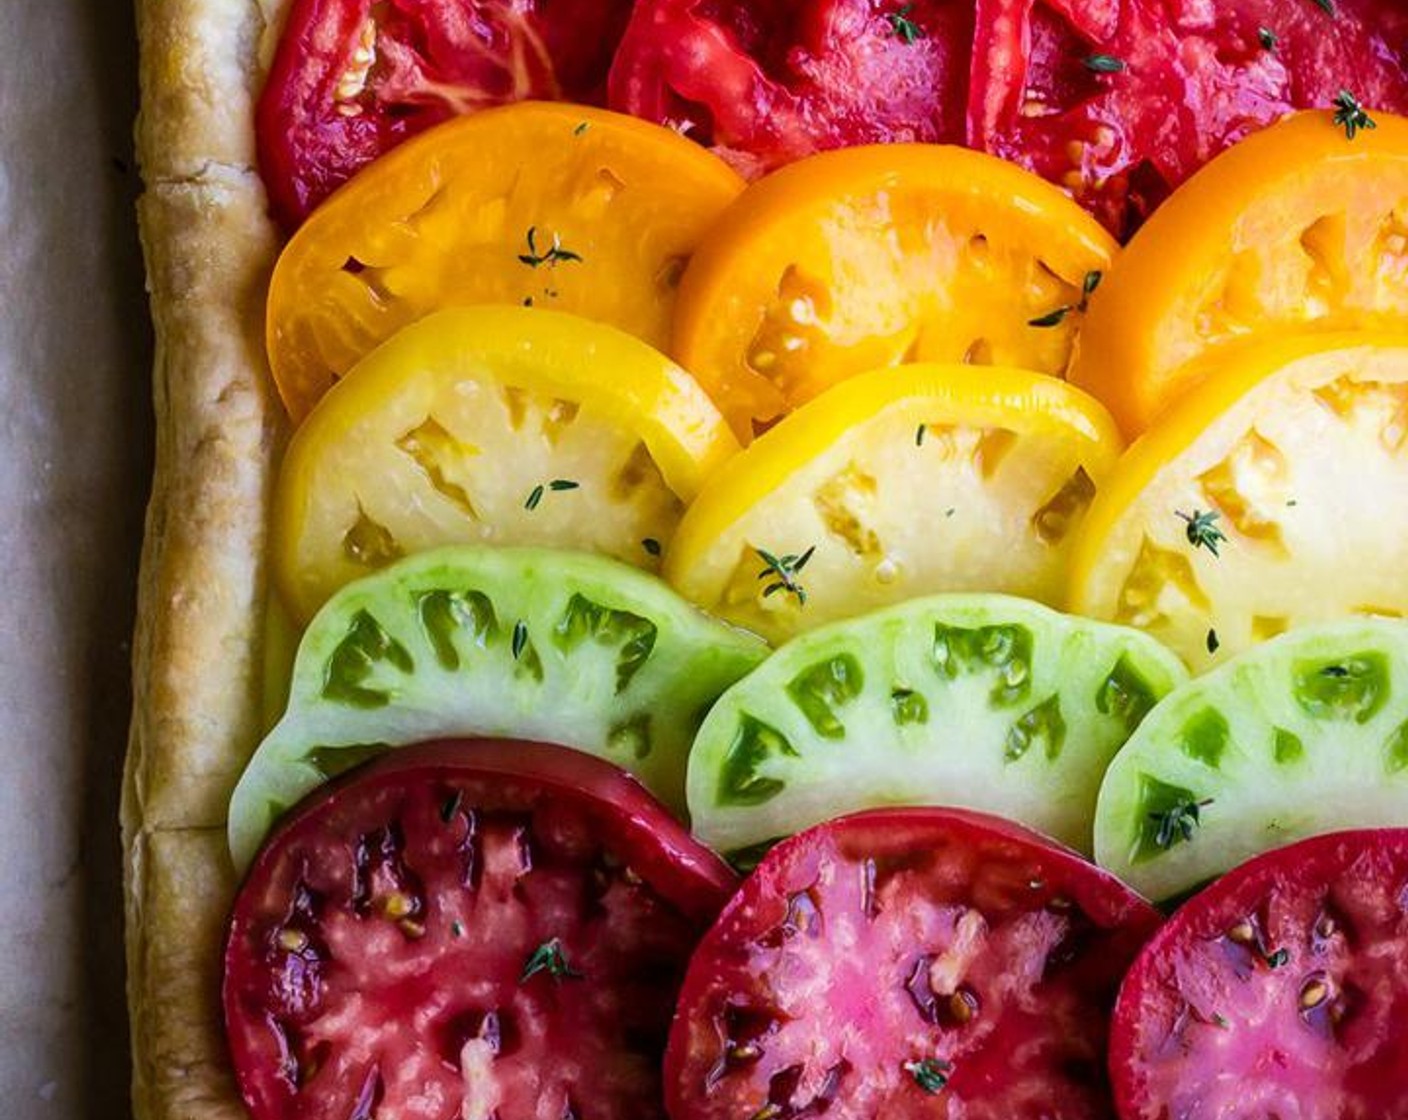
x=1303, y=735
x=982, y=701
x=517, y=643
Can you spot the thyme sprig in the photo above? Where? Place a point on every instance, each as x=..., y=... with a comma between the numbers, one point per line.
x=782, y=573
x=1351, y=116
x=1202, y=531
x=552, y=256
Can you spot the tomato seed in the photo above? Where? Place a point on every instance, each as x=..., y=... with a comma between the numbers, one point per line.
x=1242, y=933
x=963, y=1005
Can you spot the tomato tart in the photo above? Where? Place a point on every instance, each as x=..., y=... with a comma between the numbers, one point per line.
x=706, y=556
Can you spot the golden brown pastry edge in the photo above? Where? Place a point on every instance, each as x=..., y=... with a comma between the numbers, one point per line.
x=209, y=247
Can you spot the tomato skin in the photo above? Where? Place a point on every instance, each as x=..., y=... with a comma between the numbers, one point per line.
x=1030, y=1037
x=766, y=84
x=331, y=998
x=1210, y=1025
x=431, y=59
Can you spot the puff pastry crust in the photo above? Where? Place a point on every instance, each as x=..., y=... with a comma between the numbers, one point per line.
x=209, y=249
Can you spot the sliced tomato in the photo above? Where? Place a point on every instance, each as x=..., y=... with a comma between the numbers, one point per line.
x=1281, y=990
x=1268, y=497
x=765, y=84
x=460, y=427
x=1120, y=102
x=896, y=484
x=906, y=964
x=353, y=78
x=876, y=256
x=1295, y=228
x=547, y=205
x=468, y=929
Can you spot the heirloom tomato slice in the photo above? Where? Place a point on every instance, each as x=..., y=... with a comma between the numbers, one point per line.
x=1273, y=494
x=766, y=84
x=1119, y=102
x=493, y=425
x=523, y=643
x=1302, y=735
x=983, y=701
x=1281, y=990
x=1295, y=227
x=351, y=79
x=870, y=257
x=898, y=483
x=468, y=929
x=554, y=206
x=906, y=964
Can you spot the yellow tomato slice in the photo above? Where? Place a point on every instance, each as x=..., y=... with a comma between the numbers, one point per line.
x=898, y=483
x=556, y=206
x=1293, y=450
x=874, y=256
x=494, y=425
x=1297, y=225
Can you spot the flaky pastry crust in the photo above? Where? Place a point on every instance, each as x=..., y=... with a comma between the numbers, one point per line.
x=209, y=248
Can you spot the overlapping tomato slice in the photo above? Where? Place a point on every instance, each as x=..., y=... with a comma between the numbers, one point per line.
x=1278, y=991
x=470, y=929
x=907, y=964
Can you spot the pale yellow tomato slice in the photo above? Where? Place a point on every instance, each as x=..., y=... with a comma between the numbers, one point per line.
x=874, y=256
x=558, y=206
x=1273, y=495
x=1296, y=226
x=493, y=425
x=898, y=483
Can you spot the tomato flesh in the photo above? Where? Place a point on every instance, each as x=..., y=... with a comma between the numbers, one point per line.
x=1119, y=103
x=766, y=84
x=1281, y=990
x=353, y=78
x=468, y=929
x=907, y=963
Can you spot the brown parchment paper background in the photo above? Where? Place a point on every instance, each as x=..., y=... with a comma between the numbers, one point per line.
x=75, y=459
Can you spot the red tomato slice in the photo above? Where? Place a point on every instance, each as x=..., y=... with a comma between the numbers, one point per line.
x=466, y=929
x=353, y=78
x=907, y=963
x=1119, y=101
x=768, y=83
x=1281, y=990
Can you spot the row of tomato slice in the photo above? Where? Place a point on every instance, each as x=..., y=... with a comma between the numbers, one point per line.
x=486, y=929
x=1117, y=103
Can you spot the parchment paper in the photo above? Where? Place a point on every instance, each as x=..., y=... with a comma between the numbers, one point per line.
x=75, y=431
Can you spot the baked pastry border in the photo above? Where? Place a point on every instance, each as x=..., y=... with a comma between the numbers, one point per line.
x=198, y=659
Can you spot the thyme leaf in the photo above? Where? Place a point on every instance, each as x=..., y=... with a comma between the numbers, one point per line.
x=1202, y=530
x=782, y=573
x=1351, y=116
x=549, y=957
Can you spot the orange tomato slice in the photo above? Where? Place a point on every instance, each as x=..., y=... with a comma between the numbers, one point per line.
x=870, y=257
x=549, y=206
